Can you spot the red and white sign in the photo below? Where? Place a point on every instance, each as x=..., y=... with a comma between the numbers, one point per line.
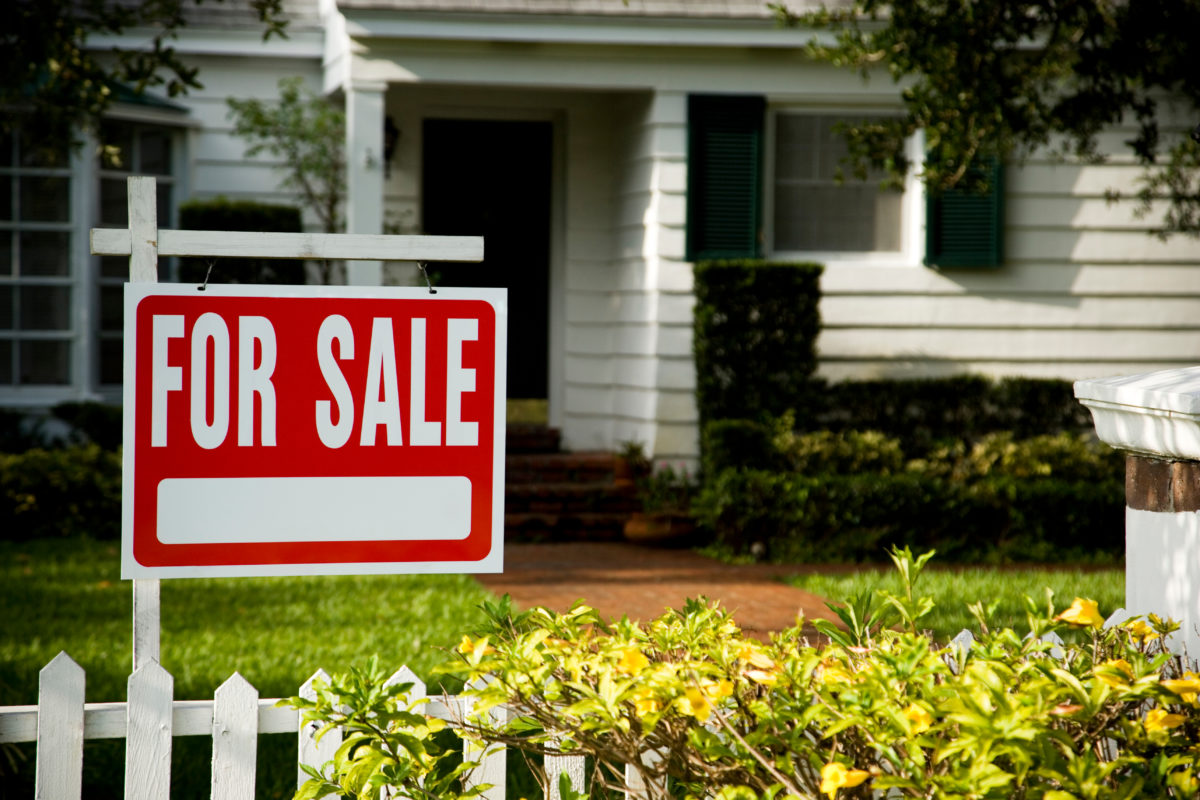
x=294, y=430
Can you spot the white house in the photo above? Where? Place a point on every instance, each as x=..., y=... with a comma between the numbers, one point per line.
x=601, y=147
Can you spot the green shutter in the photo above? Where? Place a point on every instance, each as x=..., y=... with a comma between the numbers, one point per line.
x=725, y=142
x=965, y=229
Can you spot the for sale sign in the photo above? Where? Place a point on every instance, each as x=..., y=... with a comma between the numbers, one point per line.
x=312, y=430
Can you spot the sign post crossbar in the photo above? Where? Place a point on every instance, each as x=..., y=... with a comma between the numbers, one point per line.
x=143, y=242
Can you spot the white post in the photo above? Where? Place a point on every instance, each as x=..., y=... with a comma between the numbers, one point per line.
x=364, y=173
x=1155, y=418
x=143, y=268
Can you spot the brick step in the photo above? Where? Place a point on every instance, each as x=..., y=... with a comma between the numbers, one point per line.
x=572, y=527
x=526, y=437
x=586, y=467
x=563, y=498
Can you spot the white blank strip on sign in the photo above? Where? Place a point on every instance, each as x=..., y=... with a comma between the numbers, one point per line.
x=328, y=509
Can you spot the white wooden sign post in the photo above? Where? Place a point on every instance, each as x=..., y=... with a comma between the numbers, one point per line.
x=257, y=443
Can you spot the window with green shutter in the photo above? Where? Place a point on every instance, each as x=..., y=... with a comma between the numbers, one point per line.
x=725, y=141
x=965, y=229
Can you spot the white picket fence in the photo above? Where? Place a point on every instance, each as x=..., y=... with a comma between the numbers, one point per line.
x=234, y=718
x=151, y=717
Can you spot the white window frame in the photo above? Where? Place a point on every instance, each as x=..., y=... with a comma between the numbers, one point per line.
x=83, y=269
x=912, y=210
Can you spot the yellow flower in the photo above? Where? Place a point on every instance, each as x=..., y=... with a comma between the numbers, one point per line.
x=1187, y=687
x=835, y=776
x=755, y=657
x=1141, y=630
x=644, y=702
x=466, y=646
x=695, y=704
x=718, y=690
x=1082, y=612
x=1158, y=719
x=1112, y=676
x=631, y=661
x=918, y=718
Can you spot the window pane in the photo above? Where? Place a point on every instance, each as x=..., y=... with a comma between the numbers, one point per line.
x=6, y=254
x=45, y=362
x=45, y=198
x=45, y=308
x=155, y=152
x=164, y=203
x=112, y=308
x=42, y=151
x=813, y=210
x=114, y=267
x=6, y=204
x=45, y=253
x=6, y=149
x=6, y=362
x=114, y=202
x=6, y=308
x=112, y=365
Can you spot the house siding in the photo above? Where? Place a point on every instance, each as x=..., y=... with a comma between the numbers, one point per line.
x=1086, y=290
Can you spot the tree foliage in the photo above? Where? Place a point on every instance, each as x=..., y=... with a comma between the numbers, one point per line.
x=59, y=86
x=308, y=134
x=987, y=80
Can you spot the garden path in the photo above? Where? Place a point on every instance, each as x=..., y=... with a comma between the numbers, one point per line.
x=620, y=579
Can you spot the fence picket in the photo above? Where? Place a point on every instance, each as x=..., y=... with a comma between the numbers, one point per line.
x=406, y=675
x=235, y=739
x=635, y=781
x=59, y=772
x=571, y=766
x=310, y=751
x=493, y=762
x=148, y=733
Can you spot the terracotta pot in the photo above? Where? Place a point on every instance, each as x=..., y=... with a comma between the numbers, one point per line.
x=660, y=528
x=626, y=472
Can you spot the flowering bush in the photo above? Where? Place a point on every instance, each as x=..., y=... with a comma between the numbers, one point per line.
x=873, y=708
x=699, y=709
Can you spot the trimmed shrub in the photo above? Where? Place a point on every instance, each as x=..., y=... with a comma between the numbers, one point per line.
x=733, y=443
x=74, y=491
x=756, y=325
x=853, y=518
x=221, y=214
x=925, y=412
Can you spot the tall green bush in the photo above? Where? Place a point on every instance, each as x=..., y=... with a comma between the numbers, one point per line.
x=222, y=214
x=756, y=325
x=73, y=491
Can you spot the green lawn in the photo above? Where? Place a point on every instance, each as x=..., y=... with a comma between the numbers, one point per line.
x=67, y=595
x=953, y=589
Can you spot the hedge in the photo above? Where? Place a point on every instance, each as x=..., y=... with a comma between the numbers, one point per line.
x=73, y=491
x=756, y=325
x=221, y=214
x=789, y=517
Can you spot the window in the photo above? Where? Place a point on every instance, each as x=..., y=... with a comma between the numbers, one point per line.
x=811, y=210
x=60, y=310
x=36, y=282
x=142, y=149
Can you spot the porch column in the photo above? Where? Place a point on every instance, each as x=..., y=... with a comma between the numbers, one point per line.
x=364, y=173
x=1155, y=418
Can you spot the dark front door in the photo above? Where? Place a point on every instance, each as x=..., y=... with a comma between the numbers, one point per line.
x=492, y=178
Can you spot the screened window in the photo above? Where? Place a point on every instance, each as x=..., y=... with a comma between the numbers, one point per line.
x=812, y=211
x=36, y=288
x=128, y=148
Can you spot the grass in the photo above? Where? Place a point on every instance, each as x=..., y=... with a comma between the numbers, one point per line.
x=67, y=595
x=1004, y=588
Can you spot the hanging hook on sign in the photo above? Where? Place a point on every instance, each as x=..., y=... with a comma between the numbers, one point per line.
x=204, y=285
x=425, y=272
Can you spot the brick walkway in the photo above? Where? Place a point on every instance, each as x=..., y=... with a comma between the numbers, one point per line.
x=618, y=579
